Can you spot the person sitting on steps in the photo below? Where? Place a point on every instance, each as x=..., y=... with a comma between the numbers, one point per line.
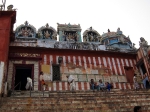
x=136, y=85
x=93, y=85
x=101, y=86
x=108, y=86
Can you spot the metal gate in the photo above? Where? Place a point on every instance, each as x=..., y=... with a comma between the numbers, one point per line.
x=56, y=73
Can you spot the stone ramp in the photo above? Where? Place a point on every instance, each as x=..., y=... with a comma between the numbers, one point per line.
x=81, y=101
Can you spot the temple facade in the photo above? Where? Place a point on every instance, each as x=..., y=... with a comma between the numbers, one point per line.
x=25, y=52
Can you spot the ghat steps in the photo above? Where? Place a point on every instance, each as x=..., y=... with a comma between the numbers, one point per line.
x=81, y=101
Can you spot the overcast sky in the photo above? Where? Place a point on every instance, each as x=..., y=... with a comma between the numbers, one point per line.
x=132, y=16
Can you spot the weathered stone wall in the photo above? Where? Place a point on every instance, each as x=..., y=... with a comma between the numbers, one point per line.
x=1, y=75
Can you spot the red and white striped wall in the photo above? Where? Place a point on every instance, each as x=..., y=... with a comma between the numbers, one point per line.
x=115, y=64
x=58, y=86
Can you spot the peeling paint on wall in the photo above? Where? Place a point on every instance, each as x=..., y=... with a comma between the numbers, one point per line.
x=1, y=74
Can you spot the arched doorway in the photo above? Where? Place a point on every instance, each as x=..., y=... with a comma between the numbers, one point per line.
x=21, y=72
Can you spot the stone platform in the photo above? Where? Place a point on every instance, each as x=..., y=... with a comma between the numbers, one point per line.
x=81, y=101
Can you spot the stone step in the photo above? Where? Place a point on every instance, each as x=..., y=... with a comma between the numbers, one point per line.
x=61, y=105
x=77, y=93
x=83, y=91
x=85, y=110
x=77, y=108
x=76, y=101
x=84, y=96
x=81, y=101
x=75, y=98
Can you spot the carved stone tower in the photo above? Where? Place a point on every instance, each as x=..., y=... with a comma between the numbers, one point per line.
x=68, y=32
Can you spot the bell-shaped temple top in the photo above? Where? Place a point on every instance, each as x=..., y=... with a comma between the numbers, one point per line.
x=116, y=39
x=47, y=32
x=91, y=35
x=25, y=31
x=69, y=32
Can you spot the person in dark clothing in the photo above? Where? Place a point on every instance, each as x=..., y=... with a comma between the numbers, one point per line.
x=108, y=86
x=137, y=109
x=92, y=84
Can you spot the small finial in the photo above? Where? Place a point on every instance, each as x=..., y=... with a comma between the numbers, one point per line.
x=47, y=25
x=10, y=8
x=26, y=23
x=1, y=7
x=91, y=28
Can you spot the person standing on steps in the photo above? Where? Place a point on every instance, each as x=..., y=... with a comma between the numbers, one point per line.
x=145, y=82
x=43, y=84
x=136, y=85
x=71, y=82
x=29, y=84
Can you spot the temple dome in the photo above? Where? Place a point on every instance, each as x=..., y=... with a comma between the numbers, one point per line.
x=91, y=35
x=25, y=30
x=116, y=39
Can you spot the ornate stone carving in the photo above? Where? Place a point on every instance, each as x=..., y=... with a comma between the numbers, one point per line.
x=119, y=32
x=95, y=46
x=91, y=35
x=10, y=8
x=56, y=45
x=71, y=37
x=143, y=42
x=24, y=55
x=121, y=39
x=117, y=40
x=47, y=32
x=25, y=31
x=1, y=7
x=80, y=46
x=69, y=32
x=133, y=46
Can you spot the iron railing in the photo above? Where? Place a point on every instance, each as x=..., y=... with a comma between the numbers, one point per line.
x=15, y=87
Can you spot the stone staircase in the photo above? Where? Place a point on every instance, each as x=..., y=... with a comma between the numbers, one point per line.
x=81, y=101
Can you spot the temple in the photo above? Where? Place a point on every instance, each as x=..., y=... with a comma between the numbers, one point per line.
x=110, y=56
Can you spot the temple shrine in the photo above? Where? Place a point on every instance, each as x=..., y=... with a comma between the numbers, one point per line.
x=27, y=51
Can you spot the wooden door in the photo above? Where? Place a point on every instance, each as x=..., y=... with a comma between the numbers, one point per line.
x=129, y=74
